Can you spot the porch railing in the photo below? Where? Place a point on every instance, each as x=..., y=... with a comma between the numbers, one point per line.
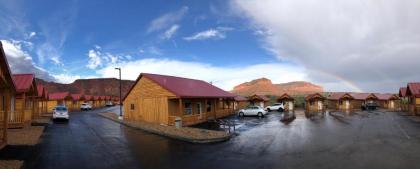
x=16, y=119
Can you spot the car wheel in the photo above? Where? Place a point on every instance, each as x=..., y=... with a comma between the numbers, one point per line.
x=268, y=109
x=281, y=110
x=241, y=114
x=260, y=114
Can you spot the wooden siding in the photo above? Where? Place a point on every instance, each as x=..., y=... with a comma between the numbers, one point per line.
x=313, y=106
x=150, y=103
x=5, y=109
x=51, y=104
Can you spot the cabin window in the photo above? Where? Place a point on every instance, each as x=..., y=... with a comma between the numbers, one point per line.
x=341, y=102
x=131, y=106
x=208, y=106
x=28, y=104
x=311, y=103
x=187, y=108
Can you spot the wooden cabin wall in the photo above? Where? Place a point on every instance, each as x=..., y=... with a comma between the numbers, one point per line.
x=150, y=102
x=51, y=105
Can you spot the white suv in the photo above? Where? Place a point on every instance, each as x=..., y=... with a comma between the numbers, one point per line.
x=252, y=111
x=85, y=106
x=61, y=112
x=276, y=107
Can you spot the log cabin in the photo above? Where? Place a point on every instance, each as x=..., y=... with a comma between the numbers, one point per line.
x=388, y=101
x=24, y=105
x=240, y=103
x=89, y=99
x=258, y=100
x=341, y=101
x=60, y=98
x=403, y=99
x=288, y=102
x=103, y=101
x=41, y=101
x=161, y=99
x=315, y=103
x=413, y=94
x=7, y=93
x=96, y=102
x=77, y=100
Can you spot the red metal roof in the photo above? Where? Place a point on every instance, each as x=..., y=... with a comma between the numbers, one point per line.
x=40, y=89
x=403, y=92
x=5, y=68
x=240, y=98
x=77, y=97
x=59, y=96
x=23, y=82
x=413, y=89
x=386, y=96
x=186, y=88
x=88, y=97
x=285, y=96
x=96, y=97
x=360, y=96
x=314, y=96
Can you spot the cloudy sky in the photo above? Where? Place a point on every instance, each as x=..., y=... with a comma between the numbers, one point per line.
x=343, y=45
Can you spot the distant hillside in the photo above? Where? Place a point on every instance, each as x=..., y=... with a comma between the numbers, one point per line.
x=101, y=86
x=264, y=86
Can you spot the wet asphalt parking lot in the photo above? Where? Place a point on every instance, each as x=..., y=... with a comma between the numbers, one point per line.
x=376, y=139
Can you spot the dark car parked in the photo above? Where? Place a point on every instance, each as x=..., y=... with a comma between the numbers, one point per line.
x=370, y=106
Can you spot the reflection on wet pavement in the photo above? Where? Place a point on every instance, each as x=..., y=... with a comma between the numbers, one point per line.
x=376, y=139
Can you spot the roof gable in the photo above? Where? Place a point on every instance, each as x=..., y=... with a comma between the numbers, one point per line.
x=285, y=96
x=184, y=87
x=24, y=83
x=4, y=65
x=315, y=96
x=413, y=89
x=59, y=96
x=403, y=92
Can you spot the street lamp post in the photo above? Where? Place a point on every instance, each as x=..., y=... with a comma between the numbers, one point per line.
x=120, y=116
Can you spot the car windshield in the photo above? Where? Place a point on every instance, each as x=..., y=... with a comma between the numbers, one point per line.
x=61, y=108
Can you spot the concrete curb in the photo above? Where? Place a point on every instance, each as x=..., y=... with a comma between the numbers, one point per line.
x=191, y=140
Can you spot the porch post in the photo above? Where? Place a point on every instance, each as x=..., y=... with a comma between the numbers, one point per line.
x=180, y=107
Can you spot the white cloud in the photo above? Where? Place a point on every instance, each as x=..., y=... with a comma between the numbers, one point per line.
x=31, y=35
x=95, y=59
x=21, y=62
x=98, y=59
x=66, y=78
x=48, y=51
x=370, y=45
x=167, y=19
x=208, y=34
x=218, y=33
x=224, y=77
x=170, y=32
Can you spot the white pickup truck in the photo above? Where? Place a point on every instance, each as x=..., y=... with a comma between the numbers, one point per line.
x=275, y=107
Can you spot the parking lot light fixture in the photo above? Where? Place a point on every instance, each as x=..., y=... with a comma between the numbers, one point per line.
x=120, y=117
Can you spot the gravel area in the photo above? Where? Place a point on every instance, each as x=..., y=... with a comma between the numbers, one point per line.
x=26, y=136
x=10, y=164
x=189, y=134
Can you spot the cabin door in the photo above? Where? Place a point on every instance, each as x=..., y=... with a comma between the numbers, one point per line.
x=262, y=104
x=290, y=105
x=12, y=107
x=347, y=103
x=391, y=104
x=320, y=105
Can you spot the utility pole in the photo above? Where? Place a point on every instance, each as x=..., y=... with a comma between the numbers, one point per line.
x=120, y=116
